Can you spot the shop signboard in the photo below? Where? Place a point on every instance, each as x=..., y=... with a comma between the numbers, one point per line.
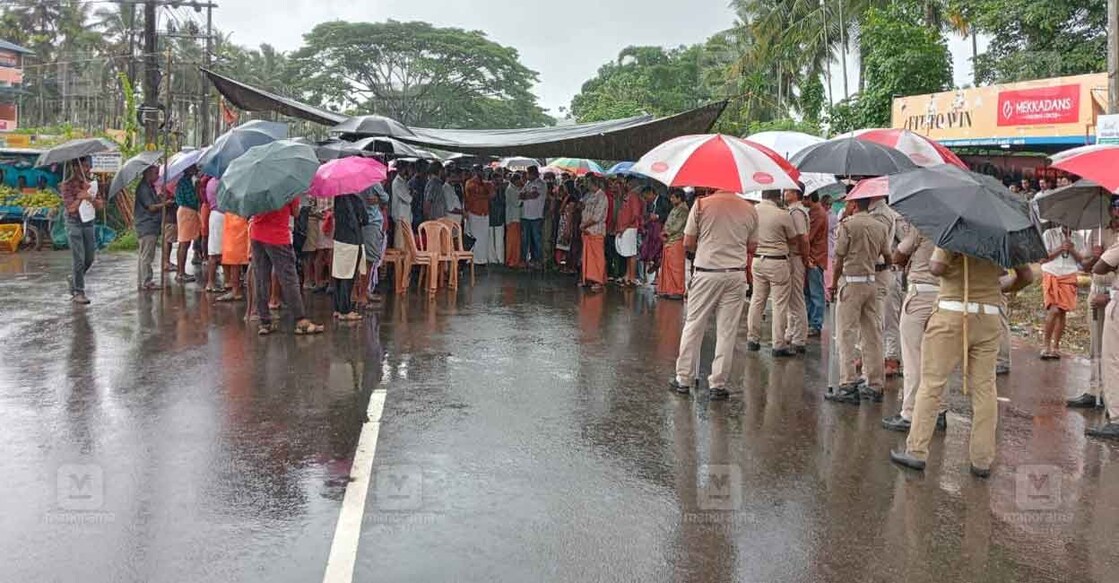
x=1107, y=129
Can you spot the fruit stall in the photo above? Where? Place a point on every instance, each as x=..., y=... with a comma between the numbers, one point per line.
x=29, y=200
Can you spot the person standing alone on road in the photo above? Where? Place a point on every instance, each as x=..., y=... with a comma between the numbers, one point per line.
x=80, y=202
x=1058, y=284
x=722, y=231
x=776, y=234
x=860, y=241
x=147, y=219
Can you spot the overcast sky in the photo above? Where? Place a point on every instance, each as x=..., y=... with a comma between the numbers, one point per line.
x=565, y=41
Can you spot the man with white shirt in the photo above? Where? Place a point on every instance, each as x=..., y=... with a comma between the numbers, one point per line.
x=401, y=203
x=1059, y=284
x=534, y=195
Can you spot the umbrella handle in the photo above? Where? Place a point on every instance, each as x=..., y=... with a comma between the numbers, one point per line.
x=967, y=281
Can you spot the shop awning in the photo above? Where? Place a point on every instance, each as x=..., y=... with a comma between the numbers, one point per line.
x=623, y=139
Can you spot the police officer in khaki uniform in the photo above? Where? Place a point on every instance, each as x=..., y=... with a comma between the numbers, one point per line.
x=796, y=328
x=1107, y=263
x=890, y=292
x=1103, y=240
x=914, y=252
x=722, y=231
x=771, y=273
x=861, y=242
x=945, y=345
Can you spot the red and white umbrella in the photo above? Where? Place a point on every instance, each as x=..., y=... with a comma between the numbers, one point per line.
x=921, y=150
x=1098, y=163
x=717, y=161
x=876, y=187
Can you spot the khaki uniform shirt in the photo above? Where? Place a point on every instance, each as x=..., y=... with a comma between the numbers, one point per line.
x=1101, y=283
x=725, y=227
x=889, y=217
x=983, y=278
x=799, y=214
x=861, y=240
x=1111, y=257
x=775, y=228
x=919, y=249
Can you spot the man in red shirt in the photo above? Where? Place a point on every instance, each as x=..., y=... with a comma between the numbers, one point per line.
x=629, y=221
x=816, y=262
x=272, y=251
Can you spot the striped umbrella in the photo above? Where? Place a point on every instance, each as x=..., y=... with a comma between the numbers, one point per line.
x=577, y=166
x=923, y=151
x=717, y=161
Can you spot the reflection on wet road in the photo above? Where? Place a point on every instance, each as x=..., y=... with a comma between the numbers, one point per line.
x=527, y=435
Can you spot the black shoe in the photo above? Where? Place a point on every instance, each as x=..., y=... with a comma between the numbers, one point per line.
x=718, y=394
x=813, y=333
x=902, y=458
x=1108, y=431
x=1084, y=401
x=897, y=423
x=942, y=422
x=676, y=386
x=800, y=349
x=783, y=352
x=870, y=394
x=1002, y=370
x=980, y=472
x=753, y=346
x=848, y=394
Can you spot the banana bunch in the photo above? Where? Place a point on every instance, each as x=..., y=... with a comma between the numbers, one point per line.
x=39, y=199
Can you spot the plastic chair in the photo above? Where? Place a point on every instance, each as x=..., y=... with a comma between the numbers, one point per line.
x=400, y=260
x=427, y=260
x=459, y=249
x=437, y=237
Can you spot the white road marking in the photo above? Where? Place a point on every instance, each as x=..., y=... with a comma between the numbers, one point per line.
x=343, y=550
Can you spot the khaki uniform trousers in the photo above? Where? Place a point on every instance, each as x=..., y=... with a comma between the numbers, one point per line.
x=942, y=351
x=796, y=326
x=857, y=316
x=771, y=277
x=721, y=294
x=891, y=313
x=915, y=313
x=1004, y=337
x=1110, y=360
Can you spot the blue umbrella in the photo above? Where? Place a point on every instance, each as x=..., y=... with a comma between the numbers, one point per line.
x=236, y=142
x=622, y=169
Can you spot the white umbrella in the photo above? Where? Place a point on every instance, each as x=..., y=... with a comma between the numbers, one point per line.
x=785, y=143
x=518, y=163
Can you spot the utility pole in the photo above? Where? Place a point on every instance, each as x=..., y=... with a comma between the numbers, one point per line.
x=206, y=82
x=132, y=44
x=151, y=76
x=1113, y=56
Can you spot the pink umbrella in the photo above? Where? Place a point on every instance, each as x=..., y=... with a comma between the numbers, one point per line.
x=347, y=176
x=921, y=150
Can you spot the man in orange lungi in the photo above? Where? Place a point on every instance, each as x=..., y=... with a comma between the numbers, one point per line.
x=513, y=221
x=594, y=235
x=1067, y=252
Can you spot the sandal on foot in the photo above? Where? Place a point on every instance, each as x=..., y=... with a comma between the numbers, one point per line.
x=265, y=329
x=308, y=329
x=229, y=297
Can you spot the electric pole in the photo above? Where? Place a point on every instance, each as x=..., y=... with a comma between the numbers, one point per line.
x=150, y=109
x=1113, y=56
x=206, y=82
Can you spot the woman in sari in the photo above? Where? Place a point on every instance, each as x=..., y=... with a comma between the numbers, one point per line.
x=670, y=279
x=567, y=226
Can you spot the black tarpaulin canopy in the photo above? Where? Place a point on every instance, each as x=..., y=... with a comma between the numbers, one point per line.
x=622, y=139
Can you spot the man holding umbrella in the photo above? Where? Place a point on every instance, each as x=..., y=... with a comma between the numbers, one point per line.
x=147, y=217
x=80, y=202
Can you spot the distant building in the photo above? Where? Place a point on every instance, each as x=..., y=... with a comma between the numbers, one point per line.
x=11, y=83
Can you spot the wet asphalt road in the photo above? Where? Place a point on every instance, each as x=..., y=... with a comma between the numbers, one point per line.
x=527, y=435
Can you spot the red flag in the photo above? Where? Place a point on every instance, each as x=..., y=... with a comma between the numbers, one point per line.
x=228, y=114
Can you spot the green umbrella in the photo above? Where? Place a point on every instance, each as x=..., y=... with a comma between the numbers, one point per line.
x=267, y=177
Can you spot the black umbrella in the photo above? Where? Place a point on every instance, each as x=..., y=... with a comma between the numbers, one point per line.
x=387, y=146
x=968, y=213
x=1084, y=205
x=75, y=149
x=851, y=157
x=134, y=167
x=372, y=125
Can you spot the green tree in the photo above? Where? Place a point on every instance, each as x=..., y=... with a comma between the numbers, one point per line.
x=1033, y=39
x=643, y=80
x=418, y=74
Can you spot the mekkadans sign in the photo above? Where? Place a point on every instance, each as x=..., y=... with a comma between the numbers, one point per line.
x=1045, y=112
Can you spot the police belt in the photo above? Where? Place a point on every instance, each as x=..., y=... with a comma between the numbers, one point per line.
x=726, y=270
x=859, y=278
x=923, y=288
x=774, y=257
x=970, y=307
